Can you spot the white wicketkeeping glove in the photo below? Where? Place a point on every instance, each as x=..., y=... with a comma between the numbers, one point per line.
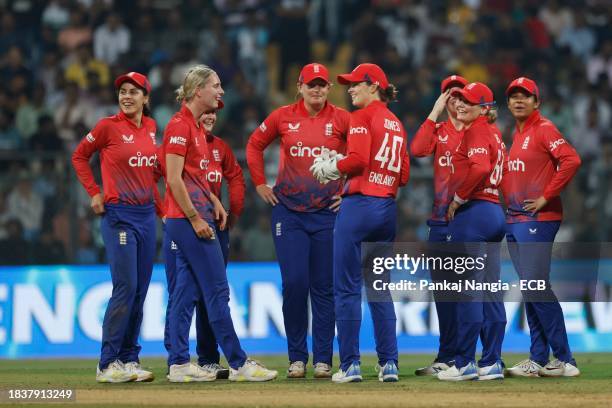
x=325, y=168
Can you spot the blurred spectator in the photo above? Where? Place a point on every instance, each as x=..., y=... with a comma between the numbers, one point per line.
x=76, y=33
x=470, y=67
x=111, y=40
x=86, y=70
x=600, y=64
x=252, y=40
x=559, y=113
x=587, y=138
x=184, y=58
x=56, y=14
x=369, y=38
x=326, y=14
x=292, y=36
x=14, y=249
x=10, y=35
x=24, y=204
x=10, y=139
x=580, y=38
x=28, y=113
x=556, y=18
x=72, y=111
x=258, y=242
x=13, y=66
x=176, y=32
x=48, y=250
x=46, y=138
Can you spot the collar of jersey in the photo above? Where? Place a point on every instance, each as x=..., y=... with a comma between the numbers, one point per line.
x=301, y=109
x=185, y=111
x=124, y=118
x=531, y=120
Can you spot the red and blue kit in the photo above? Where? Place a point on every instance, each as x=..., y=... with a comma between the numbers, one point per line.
x=377, y=162
x=478, y=163
x=441, y=140
x=127, y=159
x=302, y=138
x=541, y=163
x=223, y=165
x=183, y=137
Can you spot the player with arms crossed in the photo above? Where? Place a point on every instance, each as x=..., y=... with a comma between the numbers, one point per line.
x=441, y=140
x=376, y=164
x=303, y=214
x=476, y=216
x=541, y=163
x=126, y=142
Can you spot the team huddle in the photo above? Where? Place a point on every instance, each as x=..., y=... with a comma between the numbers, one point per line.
x=339, y=174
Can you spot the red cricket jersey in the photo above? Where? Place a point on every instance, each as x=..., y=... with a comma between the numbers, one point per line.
x=478, y=163
x=183, y=137
x=441, y=140
x=377, y=161
x=301, y=140
x=223, y=165
x=541, y=163
x=127, y=160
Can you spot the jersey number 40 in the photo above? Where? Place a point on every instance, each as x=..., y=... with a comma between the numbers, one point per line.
x=395, y=162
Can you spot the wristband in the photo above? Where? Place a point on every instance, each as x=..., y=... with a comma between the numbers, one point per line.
x=195, y=213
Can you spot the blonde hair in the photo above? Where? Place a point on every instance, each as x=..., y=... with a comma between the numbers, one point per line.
x=195, y=78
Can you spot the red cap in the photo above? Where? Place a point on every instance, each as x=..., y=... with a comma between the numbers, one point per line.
x=453, y=80
x=476, y=93
x=365, y=72
x=313, y=71
x=136, y=78
x=525, y=84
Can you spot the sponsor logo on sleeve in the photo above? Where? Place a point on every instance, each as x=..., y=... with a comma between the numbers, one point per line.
x=556, y=143
x=358, y=130
x=263, y=127
x=477, y=150
x=178, y=140
x=90, y=138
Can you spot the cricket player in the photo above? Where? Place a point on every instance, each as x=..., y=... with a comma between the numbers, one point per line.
x=303, y=214
x=441, y=139
x=541, y=163
x=376, y=165
x=126, y=143
x=475, y=215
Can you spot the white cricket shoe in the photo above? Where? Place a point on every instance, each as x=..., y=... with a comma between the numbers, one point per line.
x=525, y=368
x=558, y=368
x=388, y=373
x=251, y=370
x=115, y=373
x=492, y=372
x=297, y=369
x=189, y=372
x=467, y=373
x=322, y=370
x=220, y=372
x=352, y=374
x=142, y=374
x=432, y=369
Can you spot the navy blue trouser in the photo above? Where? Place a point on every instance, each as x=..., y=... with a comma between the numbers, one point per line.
x=545, y=319
x=482, y=222
x=361, y=219
x=207, y=349
x=446, y=310
x=304, y=249
x=200, y=274
x=128, y=232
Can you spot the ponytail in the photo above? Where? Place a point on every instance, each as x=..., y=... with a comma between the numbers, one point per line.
x=389, y=94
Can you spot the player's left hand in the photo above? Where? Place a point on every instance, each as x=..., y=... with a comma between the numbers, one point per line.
x=454, y=205
x=536, y=205
x=219, y=212
x=335, y=206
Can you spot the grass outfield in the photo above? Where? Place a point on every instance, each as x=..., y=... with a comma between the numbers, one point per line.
x=593, y=388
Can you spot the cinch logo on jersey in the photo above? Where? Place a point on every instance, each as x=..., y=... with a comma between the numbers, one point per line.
x=358, y=130
x=556, y=143
x=300, y=150
x=477, y=150
x=516, y=165
x=392, y=125
x=446, y=161
x=525, y=143
x=179, y=140
x=142, y=161
x=204, y=164
x=214, y=176
x=128, y=138
x=90, y=138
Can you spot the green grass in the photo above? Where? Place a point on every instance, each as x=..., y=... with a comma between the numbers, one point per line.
x=595, y=381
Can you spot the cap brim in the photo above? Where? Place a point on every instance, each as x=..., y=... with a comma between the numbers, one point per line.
x=126, y=78
x=452, y=84
x=522, y=88
x=466, y=95
x=317, y=77
x=346, y=79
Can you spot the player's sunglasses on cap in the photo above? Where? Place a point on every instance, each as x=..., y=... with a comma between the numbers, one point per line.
x=452, y=81
x=313, y=71
x=525, y=84
x=136, y=78
x=476, y=93
x=370, y=73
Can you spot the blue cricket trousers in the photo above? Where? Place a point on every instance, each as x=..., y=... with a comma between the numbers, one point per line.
x=446, y=310
x=207, y=349
x=200, y=274
x=480, y=221
x=304, y=249
x=545, y=319
x=128, y=232
x=361, y=219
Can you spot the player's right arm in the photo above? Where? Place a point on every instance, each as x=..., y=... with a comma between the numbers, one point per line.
x=424, y=142
x=479, y=165
x=258, y=141
x=94, y=141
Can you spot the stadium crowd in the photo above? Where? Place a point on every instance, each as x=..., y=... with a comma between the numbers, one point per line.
x=58, y=57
